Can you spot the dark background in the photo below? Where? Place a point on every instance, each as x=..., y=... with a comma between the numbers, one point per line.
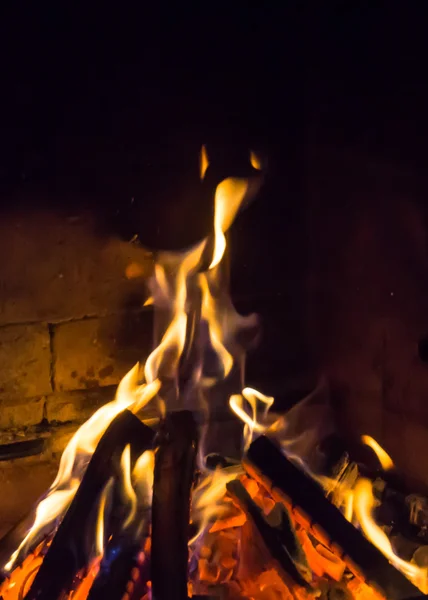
x=101, y=106
x=94, y=102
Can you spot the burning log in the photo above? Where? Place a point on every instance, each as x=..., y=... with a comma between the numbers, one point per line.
x=301, y=495
x=67, y=554
x=270, y=536
x=123, y=576
x=173, y=478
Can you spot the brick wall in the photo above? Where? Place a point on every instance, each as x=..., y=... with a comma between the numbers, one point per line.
x=71, y=322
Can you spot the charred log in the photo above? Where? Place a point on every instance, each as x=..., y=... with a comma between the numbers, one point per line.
x=173, y=478
x=67, y=554
x=301, y=495
x=125, y=573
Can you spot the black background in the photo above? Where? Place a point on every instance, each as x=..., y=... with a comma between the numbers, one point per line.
x=102, y=105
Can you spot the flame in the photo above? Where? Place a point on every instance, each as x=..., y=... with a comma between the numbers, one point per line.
x=364, y=503
x=174, y=338
x=208, y=499
x=252, y=424
x=100, y=525
x=47, y=511
x=209, y=313
x=255, y=161
x=228, y=198
x=203, y=162
x=349, y=505
x=142, y=477
x=382, y=456
x=127, y=489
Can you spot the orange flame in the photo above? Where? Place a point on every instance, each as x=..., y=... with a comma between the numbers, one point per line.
x=364, y=503
x=209, y=313
x=142, y=478
x=228, y=198
x=203, y=162
x=382, y=456
x=99, y=530
x=255, y=161
x=127, y=489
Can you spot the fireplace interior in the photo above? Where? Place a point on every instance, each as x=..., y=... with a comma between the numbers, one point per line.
x=158, y=440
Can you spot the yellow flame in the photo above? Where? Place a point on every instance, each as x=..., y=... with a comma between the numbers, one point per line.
x=382, y=456
x=252, y=423
x=209, y=313
x=47, y=511
x=127, y=489
x=349, y=505
x=255, y=161
x=228, y=198
x=203, y=162
x=142, y=477
x=364, y=503
x=99, y=530
x=208, y=499
x=175, y=336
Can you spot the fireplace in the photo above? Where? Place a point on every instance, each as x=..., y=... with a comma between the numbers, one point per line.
x=321, y=492
x=193, y=482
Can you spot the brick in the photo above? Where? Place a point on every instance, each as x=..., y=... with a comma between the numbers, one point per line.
x=64, y=407
x=25, y=361
x=96, y=352
x=60, y=438
x=22, y=414
x=63, y=269
x=22, y=485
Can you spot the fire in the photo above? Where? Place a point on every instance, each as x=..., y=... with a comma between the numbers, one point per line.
x=364, y=505
x=252, y=425
x=203, y=162
x=382, y=456
x=228, y=198
x=246, y=536
x=99, y=533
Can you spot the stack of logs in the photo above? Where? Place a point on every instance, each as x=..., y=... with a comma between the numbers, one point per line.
x=281, y=533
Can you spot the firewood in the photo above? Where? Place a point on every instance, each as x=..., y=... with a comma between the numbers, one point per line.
x=301, y=495
x=67, y=554
x=173, y=477
x=271, y=539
